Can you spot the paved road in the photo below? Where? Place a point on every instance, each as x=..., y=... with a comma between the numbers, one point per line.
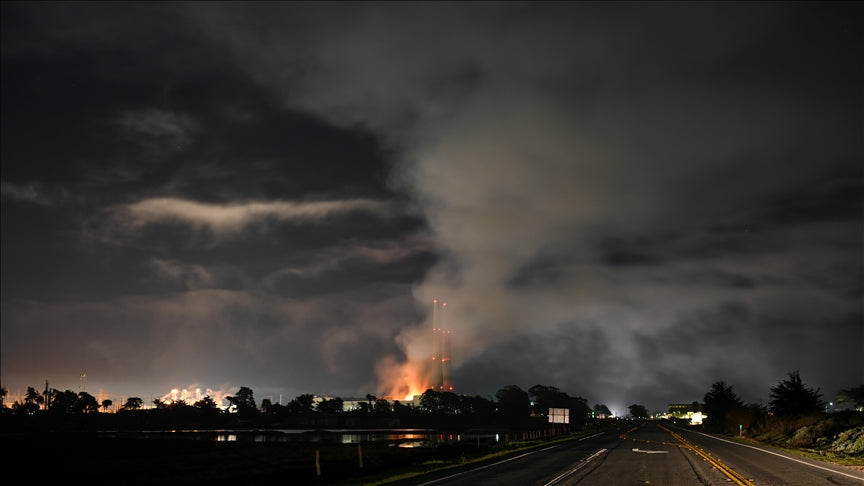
x=649, y=453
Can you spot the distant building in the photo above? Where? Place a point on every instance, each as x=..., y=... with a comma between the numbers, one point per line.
x=680, y=410
x=350, y=404
x=686, y=411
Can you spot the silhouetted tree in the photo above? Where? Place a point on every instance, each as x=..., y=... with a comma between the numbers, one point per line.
x=62, y=402
x=266, y=405
x=179, y=406
x=3, y=394
x=476, y=405
x=792, y=397
x=400, y=408
x=246, y=397
x=430, y=401
x=513, y=402
x=24, y=408
x=330, y=405
x=86, y=403
x=382, y=406
x=301, y=404
x=305, y=402
x=106, y=404
x=206, y=403
x=855, y=396
x=717, y=403
x=244, y=401
x=32, y=396
x=579, y=409
x=133, y=403
x=546, y=397
x=741, y=418
x=638, y=411
x=601, y=410
x=276, y=409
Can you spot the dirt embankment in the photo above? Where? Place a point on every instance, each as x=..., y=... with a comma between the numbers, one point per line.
x=836, y=437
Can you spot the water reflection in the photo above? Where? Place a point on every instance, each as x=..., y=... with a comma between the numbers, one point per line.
x=407, y=438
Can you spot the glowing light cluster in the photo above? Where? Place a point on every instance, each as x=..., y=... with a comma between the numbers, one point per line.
x=193, y=395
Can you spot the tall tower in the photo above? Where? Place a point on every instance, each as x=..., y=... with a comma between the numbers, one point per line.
x=437, y=344
x=446, y=364
x=442, y=376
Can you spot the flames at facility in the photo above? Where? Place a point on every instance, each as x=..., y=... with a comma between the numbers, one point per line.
x=428, y=364
x=402, y=381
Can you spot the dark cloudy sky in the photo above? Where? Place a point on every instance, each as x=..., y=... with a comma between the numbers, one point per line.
x=628, y=201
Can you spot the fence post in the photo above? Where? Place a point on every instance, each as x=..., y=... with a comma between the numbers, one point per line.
x=318, y=461
x=360, y=454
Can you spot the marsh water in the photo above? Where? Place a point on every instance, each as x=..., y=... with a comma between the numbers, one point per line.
x=398, y=437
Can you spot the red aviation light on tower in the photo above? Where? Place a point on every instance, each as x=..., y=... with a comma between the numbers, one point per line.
x=436, y=333
x=446, y=363
x=440, y=377
x=437, y=371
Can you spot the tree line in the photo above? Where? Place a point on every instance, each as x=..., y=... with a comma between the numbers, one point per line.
x=725, y=411
x=511, y=403
x=789, y=397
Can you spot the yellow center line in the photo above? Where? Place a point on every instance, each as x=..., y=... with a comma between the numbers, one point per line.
x=625, y=436
x=728, y=471
x=682, y=442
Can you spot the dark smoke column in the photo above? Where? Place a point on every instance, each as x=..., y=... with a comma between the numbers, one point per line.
x=442, y=376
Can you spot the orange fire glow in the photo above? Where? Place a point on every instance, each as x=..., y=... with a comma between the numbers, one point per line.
x=402, y=380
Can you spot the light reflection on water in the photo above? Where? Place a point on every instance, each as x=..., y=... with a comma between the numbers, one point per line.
x=401, y=438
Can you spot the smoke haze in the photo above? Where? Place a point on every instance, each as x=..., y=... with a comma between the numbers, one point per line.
x=626, y=201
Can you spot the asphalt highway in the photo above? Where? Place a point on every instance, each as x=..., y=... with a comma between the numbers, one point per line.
x=647, y=453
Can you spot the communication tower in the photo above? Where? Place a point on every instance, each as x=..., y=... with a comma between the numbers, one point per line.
x=442, y=371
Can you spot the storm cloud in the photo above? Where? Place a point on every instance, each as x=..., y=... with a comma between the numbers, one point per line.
x=626, y=201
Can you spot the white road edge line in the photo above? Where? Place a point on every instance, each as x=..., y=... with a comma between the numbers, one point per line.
x=501, y=462
x=590, y=436
x=784, y=457
x=487, y=466
x=580, y=466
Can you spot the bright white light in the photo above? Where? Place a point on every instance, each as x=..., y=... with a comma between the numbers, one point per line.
x=696, y=418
